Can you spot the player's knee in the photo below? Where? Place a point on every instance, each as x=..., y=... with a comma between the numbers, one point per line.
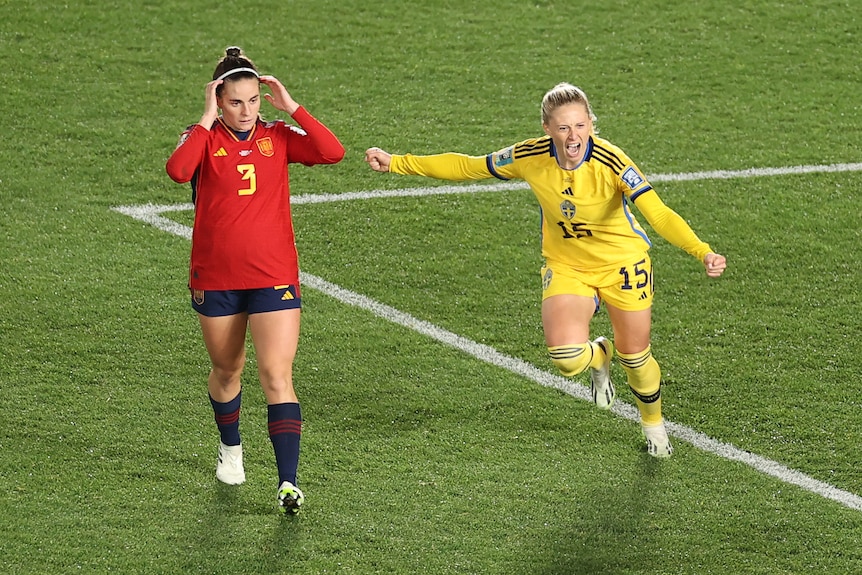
x=643, y=374
x=227, y=375
x=571, y=359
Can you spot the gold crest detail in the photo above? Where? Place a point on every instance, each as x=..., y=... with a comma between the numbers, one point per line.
x=265, y=146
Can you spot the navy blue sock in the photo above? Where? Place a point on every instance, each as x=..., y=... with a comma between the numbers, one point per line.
x=285, y=429
x=227, y=419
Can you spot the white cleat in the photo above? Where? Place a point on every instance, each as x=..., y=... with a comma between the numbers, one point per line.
x=600, y=379
x=657, y=441
x=229, y=468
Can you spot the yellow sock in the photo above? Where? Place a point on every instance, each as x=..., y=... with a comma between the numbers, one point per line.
x=644, y=379
x=576, y=358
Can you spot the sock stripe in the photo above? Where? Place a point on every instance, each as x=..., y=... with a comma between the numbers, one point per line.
x=227, y=418
x=567, y=352
x=285, y=426
x=651, y=398
x=634, y=361
x=226, y=415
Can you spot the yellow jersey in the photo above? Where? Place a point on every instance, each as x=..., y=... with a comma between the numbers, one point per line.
x=587, y=222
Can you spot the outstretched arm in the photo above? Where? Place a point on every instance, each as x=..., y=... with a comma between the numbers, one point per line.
x=378, y=159
x=715, y=264
x=674, y=229
x=447, y=166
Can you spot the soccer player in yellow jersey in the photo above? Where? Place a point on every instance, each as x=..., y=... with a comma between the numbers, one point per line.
x=593, y=246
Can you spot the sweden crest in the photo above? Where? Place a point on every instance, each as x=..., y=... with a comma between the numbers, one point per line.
x=567, y=208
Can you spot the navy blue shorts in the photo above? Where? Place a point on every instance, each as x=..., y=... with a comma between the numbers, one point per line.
x=231, y=302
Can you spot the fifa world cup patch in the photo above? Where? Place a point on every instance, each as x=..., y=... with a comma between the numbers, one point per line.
x=265, y=146
x=183, y=137
x=504, y=157
x=632, y=178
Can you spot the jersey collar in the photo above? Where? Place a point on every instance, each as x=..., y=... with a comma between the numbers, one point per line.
x=233, y=133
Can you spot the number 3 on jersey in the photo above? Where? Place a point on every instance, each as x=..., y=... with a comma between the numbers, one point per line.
x=247, y=171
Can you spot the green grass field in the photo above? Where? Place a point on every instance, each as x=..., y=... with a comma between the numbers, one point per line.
x=419, y=455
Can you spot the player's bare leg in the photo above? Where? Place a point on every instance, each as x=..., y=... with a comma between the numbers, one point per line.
x=276, y=337
x=566, y=321
x=224, y=338
x=632, y=339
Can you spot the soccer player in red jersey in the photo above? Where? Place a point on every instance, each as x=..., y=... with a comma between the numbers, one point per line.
x=243, y=273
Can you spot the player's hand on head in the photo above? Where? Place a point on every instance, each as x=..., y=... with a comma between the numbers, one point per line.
x=211, y=105
x=275, y=85
x=378, y=159
x=280, y=97
x=715, y=264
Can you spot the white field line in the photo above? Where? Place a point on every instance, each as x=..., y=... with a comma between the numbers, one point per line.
x=151, y=214
x=517, y=185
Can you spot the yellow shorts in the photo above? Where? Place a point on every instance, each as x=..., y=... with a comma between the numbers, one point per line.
x=628, y=286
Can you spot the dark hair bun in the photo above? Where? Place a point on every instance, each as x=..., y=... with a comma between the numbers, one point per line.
x=233, y=51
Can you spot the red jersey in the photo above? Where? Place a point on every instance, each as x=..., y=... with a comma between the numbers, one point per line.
x=243, y=234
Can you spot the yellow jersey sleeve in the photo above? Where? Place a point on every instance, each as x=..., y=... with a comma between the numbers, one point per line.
x=670, y=225
x=448, y=166
x=587, y=221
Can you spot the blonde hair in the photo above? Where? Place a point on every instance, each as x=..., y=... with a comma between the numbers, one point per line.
x=562, y=94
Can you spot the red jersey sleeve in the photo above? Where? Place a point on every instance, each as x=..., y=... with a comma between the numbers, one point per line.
x=314, y=144
x=188, y=154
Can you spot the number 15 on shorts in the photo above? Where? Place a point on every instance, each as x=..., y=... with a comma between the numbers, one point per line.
x=638, y=276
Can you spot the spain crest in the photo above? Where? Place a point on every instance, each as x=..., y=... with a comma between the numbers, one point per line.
x=265, y=146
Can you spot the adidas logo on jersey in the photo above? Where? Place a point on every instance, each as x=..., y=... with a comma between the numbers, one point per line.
x=220, y=153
